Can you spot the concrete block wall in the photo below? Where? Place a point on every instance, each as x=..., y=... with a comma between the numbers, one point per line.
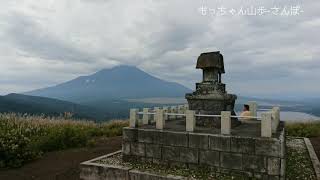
x=254, y=157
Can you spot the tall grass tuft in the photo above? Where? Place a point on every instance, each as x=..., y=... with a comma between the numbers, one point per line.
x=24, y=138
x=303, y=129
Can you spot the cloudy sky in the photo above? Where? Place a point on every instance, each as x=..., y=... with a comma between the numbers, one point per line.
x=275, y=53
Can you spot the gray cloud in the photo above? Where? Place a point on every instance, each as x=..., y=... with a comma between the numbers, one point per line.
x=27, y=36
x=49, y=42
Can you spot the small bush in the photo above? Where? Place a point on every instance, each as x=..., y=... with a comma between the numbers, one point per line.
x=306, y=129
x=24, y=138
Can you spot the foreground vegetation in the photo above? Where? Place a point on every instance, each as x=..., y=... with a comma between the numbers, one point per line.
x=303, y=129
x=25, y=138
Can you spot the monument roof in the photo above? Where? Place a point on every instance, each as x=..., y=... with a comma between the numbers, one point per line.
x=211, y=60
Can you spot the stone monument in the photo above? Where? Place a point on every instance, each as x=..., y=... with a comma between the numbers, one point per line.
x=211, y=96
x=171, y=138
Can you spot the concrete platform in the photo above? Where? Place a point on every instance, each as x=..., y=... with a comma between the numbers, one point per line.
x=95, y=170
x=104, y=168
x=245, y=129
x=244, y=151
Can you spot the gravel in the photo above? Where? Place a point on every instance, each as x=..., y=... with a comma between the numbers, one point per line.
x=299, y=165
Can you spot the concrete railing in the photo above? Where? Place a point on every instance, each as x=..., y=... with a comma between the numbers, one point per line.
x=269, y=120
x=151, y=115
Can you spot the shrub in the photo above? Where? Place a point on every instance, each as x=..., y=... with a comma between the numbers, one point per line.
x=24, y=138
x=306, y=129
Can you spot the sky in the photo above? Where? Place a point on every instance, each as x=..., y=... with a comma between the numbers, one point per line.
x=274, y=53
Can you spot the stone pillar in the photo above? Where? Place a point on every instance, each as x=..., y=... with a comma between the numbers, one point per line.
x=190, y=120
x=226, y=122
x=174, y=110
x=154, y=116
x=145, y=116
x=169, y=111
x=276, y=118
x=253, y=107
x=133, y=122
x=186, y=106
x=160, y=119
x=266, y=124
x=165, y=110
x=180, y=111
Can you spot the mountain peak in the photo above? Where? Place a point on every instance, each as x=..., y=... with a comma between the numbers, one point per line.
x=120, y=71
x=120, y=68
x=120, y=82
x=125, y=67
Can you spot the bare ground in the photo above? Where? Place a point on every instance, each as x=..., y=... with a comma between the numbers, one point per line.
x=61, y=165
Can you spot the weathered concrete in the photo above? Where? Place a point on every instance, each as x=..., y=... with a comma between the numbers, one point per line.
x=180, y=111
x=252, y=129
x=266, y=124
x=211, y=158
x=139, y=175
x=146, y=116
x=165, y=110
x=199, y=141
x=225, y=122
x=174, y=110
x=190, y=120
x=90, y=170
x=211, y=96
x=276, y=118
x=254, y=156
x=154, y=116
x=160, y=118
x=133, y=122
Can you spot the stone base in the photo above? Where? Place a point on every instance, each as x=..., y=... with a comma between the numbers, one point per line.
x=90, y=170
x=253, y=156
x=212, y=104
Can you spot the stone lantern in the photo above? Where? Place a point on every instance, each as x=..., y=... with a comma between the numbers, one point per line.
x=211, y=96
x=212, y=66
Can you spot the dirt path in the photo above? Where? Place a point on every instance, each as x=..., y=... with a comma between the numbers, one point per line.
x=61, y=165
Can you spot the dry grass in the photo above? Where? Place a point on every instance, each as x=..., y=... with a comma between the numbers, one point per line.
x=303, y=129
x=24, y=138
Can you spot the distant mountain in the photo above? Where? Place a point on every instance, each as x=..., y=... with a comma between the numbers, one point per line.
x=118, y=83
x=19, y=103
x=114, y=91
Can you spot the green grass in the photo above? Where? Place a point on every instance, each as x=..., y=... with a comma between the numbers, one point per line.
x=25, y=138
x=306, y=129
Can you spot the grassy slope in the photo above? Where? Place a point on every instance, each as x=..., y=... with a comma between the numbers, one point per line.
x=24, y=138
x=307, y=129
